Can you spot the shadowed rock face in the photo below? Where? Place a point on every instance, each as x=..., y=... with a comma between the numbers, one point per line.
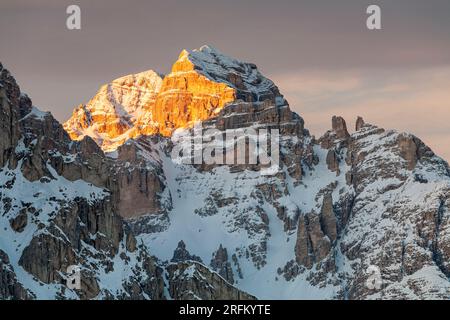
x=10, y=288
x=328, y=218
x=221, y=264
x=333, y=161
x=10, y=99
x=337, y=207
x=193, y=281
x=181, y=254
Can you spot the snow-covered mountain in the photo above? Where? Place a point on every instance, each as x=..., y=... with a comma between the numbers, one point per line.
x=347, y=216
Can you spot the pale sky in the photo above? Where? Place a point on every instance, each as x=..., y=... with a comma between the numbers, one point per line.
x=319, y=53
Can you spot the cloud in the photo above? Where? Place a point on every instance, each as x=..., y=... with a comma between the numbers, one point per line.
x=416, y=101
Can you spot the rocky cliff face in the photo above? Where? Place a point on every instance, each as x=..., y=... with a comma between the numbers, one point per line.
x=59, y=208
x=9, y=96
x=200, y=84
x=361, y=215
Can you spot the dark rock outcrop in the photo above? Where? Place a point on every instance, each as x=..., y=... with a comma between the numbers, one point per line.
x=19, y=223
x=339, y=126
x=221, y=264
x=333, y=161
x=312, y=243
x=181, y=254
x=10, y=288
x=193, y=281
x=328, y=218
x=359, y=123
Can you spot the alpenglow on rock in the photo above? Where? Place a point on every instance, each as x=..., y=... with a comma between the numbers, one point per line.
x=200, y=84
x=143, y=226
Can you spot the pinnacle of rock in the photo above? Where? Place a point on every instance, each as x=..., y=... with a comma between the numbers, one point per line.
x=339, y=126
x=359, y=123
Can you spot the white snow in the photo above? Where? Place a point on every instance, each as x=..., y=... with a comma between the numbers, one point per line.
x=45, y=197
x=36, y=113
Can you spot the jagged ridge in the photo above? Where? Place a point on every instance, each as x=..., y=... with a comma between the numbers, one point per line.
x=339, y=205
x=200, y=84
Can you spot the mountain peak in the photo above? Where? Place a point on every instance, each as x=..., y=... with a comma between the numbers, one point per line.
x=337, y=209
x=207, y=48
x=204, y=50
x=339, y=127
x=201, y=83
x=183, y=54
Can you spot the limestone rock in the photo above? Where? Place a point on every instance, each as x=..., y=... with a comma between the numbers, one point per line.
x=328, y=218
x=10, y=288
x=340, y=127
x=312, y=244
x=9, y=114
x=193, y=281
x=221, y=264
x=151, y=103
x=337, y=137
x=19, y=223
x=359, y=123
x=181, y=254
x=46, y=256
x=131, y=242
x=408, y=150
x=389, y=209
x=333, y=161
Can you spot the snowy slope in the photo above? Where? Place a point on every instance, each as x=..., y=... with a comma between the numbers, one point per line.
x=389, y=210
x=342, y=209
